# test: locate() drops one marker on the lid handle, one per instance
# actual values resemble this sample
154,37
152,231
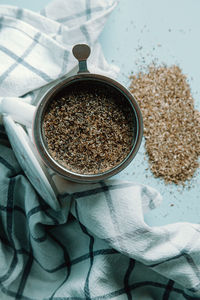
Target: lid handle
81,52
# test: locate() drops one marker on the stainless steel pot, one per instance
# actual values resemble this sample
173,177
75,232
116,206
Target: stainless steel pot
81,52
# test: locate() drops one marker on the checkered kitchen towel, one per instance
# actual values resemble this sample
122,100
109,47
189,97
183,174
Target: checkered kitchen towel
97,245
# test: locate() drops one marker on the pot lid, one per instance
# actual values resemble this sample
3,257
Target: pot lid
30,162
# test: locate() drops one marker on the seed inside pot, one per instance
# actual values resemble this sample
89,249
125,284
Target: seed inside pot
89,129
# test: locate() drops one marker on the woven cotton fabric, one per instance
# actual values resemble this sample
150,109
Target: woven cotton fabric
96,245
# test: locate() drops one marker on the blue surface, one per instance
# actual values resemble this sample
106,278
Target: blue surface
35,5
137,33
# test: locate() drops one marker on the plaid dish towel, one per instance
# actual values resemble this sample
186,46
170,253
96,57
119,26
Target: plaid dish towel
97,244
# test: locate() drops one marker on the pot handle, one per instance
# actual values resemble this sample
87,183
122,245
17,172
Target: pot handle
20,111
81,52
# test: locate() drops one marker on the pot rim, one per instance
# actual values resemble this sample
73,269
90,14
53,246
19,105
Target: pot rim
39,139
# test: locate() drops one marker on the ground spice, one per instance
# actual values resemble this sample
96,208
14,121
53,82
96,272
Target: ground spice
171,123
88,130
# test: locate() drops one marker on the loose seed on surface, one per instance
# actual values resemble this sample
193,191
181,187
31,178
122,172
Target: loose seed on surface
171,123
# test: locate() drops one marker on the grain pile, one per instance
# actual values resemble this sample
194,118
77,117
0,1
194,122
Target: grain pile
171,123
89,129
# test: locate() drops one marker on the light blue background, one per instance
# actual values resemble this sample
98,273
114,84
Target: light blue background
137,32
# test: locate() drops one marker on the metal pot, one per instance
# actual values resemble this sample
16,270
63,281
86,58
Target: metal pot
81,52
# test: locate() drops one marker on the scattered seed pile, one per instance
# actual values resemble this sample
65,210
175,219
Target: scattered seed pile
171,124
89,130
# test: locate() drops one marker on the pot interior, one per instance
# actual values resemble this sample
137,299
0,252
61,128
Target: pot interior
122,99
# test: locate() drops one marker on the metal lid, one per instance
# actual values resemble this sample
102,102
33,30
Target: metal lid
30,162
